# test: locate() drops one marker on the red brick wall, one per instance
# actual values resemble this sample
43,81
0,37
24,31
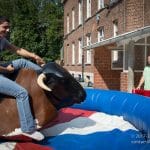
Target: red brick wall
123,81
146,12
104,77
131,14
134,14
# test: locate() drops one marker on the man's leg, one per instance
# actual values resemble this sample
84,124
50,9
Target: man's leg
23,63
27,122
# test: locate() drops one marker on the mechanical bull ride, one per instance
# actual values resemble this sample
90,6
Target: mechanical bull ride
50,89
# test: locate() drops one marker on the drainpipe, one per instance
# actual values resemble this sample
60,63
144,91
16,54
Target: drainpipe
124,30
143,13
124,18
83,65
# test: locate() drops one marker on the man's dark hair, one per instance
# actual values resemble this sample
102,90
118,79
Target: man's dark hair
3,19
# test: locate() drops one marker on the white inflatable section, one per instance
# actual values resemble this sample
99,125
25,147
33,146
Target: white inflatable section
97,122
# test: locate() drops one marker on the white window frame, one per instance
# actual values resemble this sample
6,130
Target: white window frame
146,45
115,57
68,26
88,12
80,12
100,4
73,53
80,51
73,19
88,53
100,36
115,27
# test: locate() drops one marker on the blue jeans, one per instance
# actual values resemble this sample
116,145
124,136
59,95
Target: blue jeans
11,88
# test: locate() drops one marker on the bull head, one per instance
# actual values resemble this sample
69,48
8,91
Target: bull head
61,84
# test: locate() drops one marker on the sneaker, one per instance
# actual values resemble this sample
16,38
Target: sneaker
35,135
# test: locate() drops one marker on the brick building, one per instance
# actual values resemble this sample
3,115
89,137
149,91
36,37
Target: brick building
107,41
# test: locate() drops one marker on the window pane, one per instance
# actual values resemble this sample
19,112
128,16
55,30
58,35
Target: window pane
100,4
73,53
139,57
80,52
148,50
80,12
148,40
141,41
88,8
67,23
117,59
115,26
73,19
101,34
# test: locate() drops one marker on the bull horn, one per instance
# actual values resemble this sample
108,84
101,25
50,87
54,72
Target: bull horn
40,81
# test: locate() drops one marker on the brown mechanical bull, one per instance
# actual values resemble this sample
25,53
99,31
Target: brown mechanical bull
49,91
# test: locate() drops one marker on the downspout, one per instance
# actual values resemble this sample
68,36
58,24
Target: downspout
124,18
143,13
143,26
124,30
82,42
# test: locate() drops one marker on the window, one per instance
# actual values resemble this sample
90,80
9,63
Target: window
115,27
142,50
100,4
80,12
117,56
67,54
80,51
73,53
73,19
139,57
117,59
88,8
68,23
113,2
100,34
88,60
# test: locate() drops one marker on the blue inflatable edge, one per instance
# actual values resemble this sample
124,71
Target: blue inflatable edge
134,108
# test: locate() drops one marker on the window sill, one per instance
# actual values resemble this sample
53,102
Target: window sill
87,63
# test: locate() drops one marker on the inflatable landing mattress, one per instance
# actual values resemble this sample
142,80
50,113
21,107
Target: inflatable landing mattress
77,129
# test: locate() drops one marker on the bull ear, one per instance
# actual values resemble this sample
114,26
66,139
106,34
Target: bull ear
40,81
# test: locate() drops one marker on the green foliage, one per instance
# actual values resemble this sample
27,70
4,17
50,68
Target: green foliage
36,25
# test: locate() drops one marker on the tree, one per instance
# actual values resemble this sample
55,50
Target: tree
37,25
53,23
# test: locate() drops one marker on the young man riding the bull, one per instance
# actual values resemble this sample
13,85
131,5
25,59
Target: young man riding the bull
9,87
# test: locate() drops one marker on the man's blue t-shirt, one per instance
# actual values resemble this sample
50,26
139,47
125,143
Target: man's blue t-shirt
4,43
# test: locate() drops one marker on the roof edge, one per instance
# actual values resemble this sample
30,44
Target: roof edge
125,36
